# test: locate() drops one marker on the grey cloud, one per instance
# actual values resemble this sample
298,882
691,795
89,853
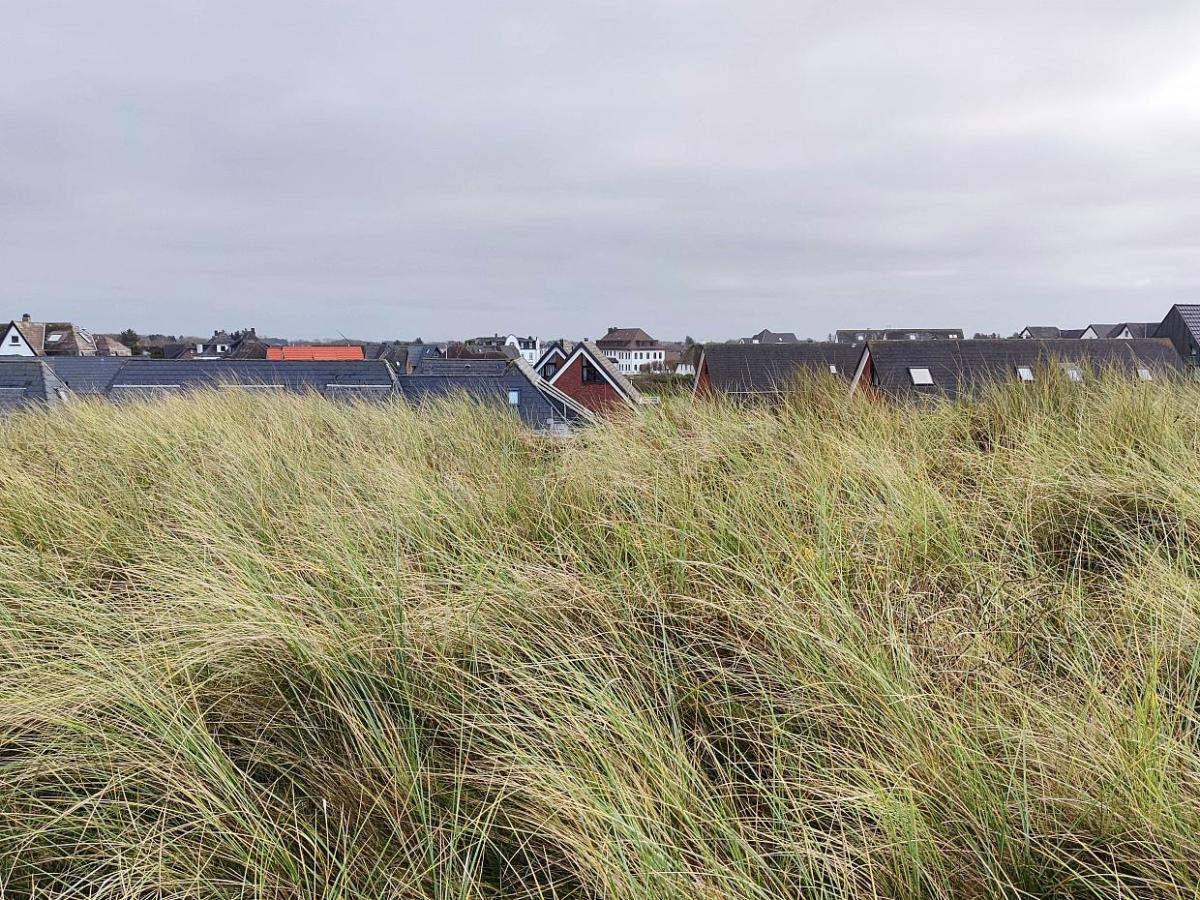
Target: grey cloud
691,166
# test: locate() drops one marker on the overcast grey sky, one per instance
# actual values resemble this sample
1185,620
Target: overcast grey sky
388,169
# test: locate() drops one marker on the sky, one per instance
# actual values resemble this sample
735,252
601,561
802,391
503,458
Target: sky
380,169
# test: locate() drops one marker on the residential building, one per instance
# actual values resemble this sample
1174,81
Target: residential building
553,356
107,345
512,384
316,351
767,371
29,383
632,350
28,338
529,348
1181,326
771,337
956,368
861,335
590,377
337,379
87,374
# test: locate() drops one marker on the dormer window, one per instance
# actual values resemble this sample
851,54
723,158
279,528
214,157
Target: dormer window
1025,373
920,376
222,348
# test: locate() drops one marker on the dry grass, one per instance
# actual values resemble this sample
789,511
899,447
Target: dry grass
273,647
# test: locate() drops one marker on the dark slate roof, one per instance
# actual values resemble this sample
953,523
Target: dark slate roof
1139,329
292,375
87,374
858,335
431,365
540,406
1190,312
770,368
1071,333
26,382
766,336
958,366
1043,332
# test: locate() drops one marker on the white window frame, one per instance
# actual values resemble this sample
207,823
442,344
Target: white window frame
920,376
1145,374
1025,373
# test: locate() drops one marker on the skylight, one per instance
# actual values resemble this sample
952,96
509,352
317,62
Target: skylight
920,376
1025,373
54,338
833,370
1074,373
1145,375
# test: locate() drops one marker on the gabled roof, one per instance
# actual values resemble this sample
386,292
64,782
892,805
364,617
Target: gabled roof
1102,330
34,332
87,374
28,382
143,375
316,351
1071,334
766,336
859,335
607,369
771,368
550,351
1138,329
1042,332
624,337
957,367
433,365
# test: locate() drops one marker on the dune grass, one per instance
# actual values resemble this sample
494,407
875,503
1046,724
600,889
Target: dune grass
276,647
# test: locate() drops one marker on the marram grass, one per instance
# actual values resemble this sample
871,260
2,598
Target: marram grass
272,647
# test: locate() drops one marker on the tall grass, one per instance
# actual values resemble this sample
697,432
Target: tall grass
275,647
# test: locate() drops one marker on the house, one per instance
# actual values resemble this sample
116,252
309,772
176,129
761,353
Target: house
1181,326
513,384
29,338
956,368
553,356
771,337
107,345
632,350
1040,333
861,335
87,374
593,380
337,379
765,371
508,345
244,344
316,351
29,383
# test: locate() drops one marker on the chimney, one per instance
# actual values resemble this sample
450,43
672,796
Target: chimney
612,328
25,317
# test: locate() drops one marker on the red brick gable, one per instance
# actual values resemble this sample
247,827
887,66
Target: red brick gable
598,396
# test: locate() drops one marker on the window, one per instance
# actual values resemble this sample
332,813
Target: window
1073,373
222,348
514,397
833,370
54,338
1145,375
1025,373
14,340
589,374
920,376
549,369
911,336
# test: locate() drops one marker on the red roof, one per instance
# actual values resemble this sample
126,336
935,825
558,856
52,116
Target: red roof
315,352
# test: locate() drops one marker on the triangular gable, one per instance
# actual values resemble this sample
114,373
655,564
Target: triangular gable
605,367
10,347
548,355
550,391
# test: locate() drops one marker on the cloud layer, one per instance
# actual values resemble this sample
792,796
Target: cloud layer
694,167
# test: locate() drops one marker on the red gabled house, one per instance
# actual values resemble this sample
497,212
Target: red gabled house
590,378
